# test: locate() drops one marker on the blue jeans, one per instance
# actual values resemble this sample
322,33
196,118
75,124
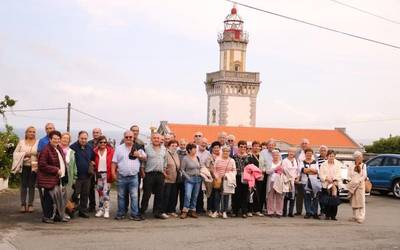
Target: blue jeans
192,188
128,185
220,201
310,203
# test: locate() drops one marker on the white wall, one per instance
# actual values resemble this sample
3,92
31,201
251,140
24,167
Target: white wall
238,111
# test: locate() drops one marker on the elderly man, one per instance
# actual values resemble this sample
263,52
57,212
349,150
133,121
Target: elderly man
83,156
222,136
267,153
45,140
203,155
181,186
232,144
153,176
323,151
126,163
197,138
300,157
167,139
96,133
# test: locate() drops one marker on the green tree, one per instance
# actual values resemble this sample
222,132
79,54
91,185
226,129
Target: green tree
390,145
8,139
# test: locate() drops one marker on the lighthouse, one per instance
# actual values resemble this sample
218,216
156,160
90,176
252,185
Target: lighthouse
232,91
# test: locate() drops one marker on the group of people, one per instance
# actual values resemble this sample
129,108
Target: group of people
230,177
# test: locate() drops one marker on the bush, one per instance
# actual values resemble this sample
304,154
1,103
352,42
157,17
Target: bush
8,143
389,145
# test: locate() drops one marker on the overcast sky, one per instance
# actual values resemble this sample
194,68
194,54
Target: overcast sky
144,61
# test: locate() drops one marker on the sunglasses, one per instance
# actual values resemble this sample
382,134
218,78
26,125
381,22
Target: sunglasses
128,137
230,140
103,142
197,136
243,146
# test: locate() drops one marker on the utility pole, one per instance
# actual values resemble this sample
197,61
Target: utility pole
69,117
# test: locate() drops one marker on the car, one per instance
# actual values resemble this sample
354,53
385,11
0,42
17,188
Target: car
384,173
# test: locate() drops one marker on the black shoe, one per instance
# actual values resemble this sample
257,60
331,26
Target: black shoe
316,217
91,210
284,215
327,218
333,218
297,214
142,217
119,217
84,215
291,215
135,218
307,216
278,216
47,220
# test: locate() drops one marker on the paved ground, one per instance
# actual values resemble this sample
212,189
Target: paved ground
380,231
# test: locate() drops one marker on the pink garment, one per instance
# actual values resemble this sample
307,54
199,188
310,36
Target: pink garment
252,173
223,166
274,202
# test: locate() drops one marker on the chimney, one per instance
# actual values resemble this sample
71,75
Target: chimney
343,130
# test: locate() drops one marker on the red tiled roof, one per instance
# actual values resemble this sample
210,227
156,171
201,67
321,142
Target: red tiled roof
330,138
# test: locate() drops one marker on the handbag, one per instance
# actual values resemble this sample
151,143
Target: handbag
368,186
217,182
179,174
91,170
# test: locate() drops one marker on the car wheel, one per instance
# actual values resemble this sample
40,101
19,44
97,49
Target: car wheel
396,189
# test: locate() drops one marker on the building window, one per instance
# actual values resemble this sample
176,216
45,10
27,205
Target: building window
237,67
214,116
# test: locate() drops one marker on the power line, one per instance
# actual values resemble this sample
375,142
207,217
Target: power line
315,25
365,12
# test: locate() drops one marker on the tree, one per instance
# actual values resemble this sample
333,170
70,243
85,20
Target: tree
390,145
8,140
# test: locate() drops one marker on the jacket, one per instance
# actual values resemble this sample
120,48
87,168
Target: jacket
172,164
83,156
229,183
109,156
49,165
251,174
324,172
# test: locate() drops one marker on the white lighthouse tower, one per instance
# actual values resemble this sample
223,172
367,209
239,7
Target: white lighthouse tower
232,92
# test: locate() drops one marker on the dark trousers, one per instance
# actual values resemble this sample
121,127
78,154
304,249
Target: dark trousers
241,196
220,201
210,202
127,196
47,204
299,198
92,194
331,211
81,194
169,198
200,201
28,180
153,182
181,192
288,199
262,192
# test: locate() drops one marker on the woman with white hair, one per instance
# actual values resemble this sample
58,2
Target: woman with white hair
275,186
356,186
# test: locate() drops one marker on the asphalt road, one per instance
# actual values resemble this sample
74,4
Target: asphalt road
25,231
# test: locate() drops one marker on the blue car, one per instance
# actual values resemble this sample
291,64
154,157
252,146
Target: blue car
384,173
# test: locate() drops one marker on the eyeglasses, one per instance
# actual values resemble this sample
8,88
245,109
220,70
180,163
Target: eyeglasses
128,137
197,135
103,142
242,146
230,140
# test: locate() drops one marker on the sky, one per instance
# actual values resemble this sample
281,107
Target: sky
140,62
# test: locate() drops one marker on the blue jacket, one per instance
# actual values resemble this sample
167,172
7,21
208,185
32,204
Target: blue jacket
43,143
83,156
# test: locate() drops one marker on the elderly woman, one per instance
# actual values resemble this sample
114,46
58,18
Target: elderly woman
329,174
215,150
26,152
171,173
52,177
103,155
69,158
223,169
190,168
275,198
357,177
291,171
311,183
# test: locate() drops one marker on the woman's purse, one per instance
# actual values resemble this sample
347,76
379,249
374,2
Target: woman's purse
218,182
368,186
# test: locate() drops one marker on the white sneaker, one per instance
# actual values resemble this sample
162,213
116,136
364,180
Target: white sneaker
164,216
259,214
249,215
214,215
210,213
100,213
106,214
224,215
